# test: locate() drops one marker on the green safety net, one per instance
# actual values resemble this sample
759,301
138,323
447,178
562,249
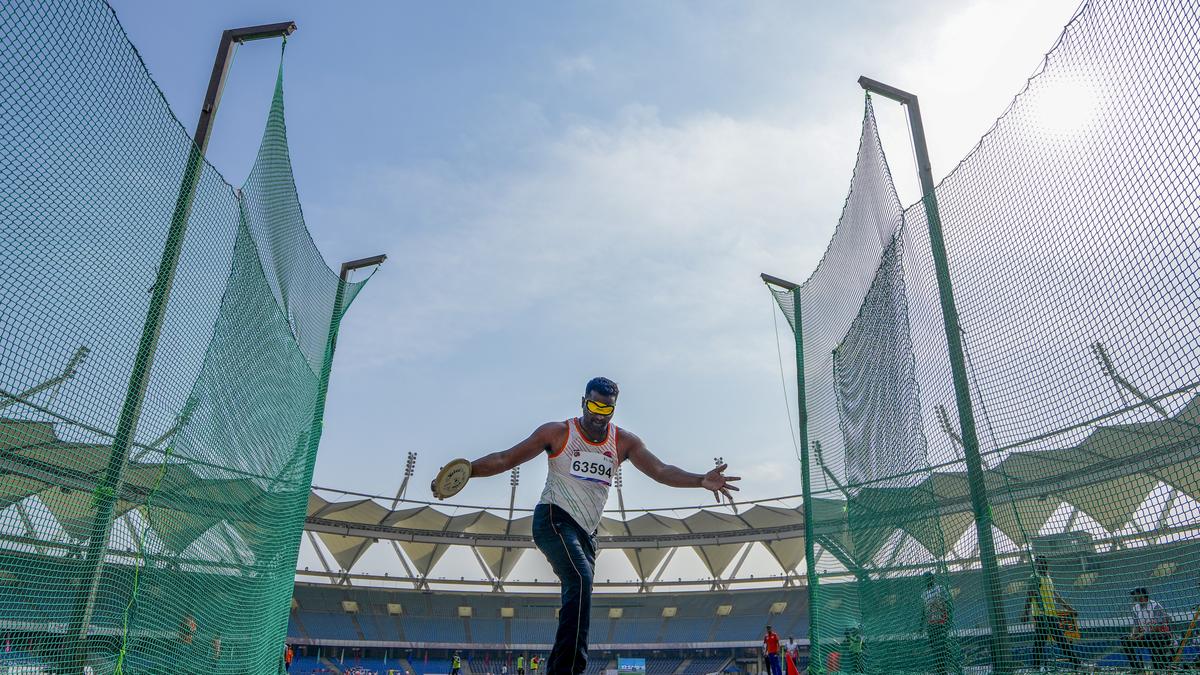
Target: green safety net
155,532
1071,238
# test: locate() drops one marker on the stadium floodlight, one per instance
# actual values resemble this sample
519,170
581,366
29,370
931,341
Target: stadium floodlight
1001,664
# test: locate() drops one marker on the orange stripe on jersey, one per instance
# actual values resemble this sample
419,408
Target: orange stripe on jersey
566,438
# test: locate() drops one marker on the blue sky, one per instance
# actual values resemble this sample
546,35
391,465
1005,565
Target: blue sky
575,189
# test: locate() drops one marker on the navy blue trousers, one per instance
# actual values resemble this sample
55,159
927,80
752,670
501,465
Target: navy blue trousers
572,554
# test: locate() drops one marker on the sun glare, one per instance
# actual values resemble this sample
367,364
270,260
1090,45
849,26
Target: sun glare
1064,107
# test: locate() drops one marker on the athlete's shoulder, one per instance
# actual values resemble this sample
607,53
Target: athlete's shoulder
553,434
553,427
627,440
627,436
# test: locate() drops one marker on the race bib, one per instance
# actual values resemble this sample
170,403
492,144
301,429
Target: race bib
593,466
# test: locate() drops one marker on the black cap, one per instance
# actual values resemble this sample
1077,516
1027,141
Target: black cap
1140,590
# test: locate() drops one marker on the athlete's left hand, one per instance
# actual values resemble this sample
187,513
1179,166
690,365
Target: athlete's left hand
719,483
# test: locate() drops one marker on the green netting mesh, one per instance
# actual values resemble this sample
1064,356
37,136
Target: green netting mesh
1071,235
160,536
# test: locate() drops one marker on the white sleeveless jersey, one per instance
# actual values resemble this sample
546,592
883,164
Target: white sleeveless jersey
581,473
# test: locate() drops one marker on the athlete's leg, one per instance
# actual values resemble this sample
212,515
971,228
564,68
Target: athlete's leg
1041,639
1160,650
572,555
937,647
1129,645
1065,644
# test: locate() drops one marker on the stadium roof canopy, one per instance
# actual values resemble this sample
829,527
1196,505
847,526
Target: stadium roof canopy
1107,475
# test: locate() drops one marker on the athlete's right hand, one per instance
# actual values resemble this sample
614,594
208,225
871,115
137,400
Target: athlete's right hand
718,483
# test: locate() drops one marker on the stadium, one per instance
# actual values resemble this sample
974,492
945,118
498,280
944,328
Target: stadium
997,406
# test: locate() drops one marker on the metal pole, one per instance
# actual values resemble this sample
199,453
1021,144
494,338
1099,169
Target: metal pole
108,486
317,420
815,663
966,415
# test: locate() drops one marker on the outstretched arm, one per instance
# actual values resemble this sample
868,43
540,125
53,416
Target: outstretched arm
543,439
667,474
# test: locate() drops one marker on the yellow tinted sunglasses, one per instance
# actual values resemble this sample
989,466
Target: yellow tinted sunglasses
598,408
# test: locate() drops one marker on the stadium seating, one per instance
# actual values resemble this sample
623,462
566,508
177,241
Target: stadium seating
309,665
433,618
662,665
702,665
430,623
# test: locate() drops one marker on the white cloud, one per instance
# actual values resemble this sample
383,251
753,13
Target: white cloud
674,221
580,64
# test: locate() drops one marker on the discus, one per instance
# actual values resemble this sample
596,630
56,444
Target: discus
451,479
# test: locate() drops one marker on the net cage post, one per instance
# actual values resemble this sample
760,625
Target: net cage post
335,322
1001,663
815,663
108,487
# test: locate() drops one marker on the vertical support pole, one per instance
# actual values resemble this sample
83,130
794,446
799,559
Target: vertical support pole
1001,664
317,419
816,664
108,486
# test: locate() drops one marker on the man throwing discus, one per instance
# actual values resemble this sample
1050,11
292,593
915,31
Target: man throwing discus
584,455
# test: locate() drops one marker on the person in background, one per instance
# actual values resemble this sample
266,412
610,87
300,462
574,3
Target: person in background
521,664
936,618
854,648
793,657
771,645
1151,629
1045,605
288,655
455,664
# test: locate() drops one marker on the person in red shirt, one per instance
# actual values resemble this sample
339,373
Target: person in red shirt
288,655
771,644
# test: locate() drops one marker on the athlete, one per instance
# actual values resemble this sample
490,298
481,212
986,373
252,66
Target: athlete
584,454
1152,630
455,664
771,647
937,607
1046,606
521,665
